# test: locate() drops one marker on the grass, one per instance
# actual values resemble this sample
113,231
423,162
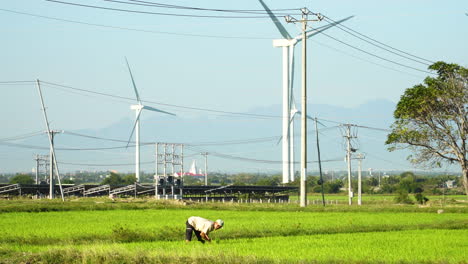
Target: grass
146,231
414,246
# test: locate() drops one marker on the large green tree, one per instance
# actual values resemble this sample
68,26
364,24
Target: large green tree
431,119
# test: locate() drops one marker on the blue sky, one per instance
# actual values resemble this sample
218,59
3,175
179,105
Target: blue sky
212,70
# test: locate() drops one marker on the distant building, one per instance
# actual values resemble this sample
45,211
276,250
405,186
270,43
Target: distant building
450,184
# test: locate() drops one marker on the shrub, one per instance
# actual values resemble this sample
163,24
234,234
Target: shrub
420,198
402,197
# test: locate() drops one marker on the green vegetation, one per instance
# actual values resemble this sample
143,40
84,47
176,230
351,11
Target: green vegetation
431,118
22,179
115,179
148,231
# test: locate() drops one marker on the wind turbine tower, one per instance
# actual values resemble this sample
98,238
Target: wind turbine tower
136,127
288,44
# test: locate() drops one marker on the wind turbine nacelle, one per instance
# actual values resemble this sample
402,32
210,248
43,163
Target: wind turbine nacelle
283,42
136,107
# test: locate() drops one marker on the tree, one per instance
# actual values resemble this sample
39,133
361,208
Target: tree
333,186
431,119
22,179
129,179
113,179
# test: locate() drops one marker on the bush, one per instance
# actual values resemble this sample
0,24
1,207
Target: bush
402,197
420,198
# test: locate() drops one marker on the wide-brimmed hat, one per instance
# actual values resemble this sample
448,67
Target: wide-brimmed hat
220,222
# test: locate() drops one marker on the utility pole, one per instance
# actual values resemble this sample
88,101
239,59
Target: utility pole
319,161
304,20
360,157
53,160
206,167
348,159
380,172
37,168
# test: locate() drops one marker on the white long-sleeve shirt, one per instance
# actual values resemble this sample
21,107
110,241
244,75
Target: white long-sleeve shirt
201,224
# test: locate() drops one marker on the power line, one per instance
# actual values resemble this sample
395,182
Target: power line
16,82
378,46
228,156
104,165
186,107
153,13
64,149
185,34
365,60
163,104
32,134
407,53
131,29
372,54
161,5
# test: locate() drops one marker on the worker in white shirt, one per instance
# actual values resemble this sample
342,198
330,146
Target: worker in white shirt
201,227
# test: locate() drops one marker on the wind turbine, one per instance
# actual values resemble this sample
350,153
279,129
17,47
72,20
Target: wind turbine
288,44
136,127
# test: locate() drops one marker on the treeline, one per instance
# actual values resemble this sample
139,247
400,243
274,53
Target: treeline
401,184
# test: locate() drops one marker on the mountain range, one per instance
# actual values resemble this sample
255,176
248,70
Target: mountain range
245,142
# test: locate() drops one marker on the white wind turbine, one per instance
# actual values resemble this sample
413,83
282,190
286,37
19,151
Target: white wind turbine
136,127
288,44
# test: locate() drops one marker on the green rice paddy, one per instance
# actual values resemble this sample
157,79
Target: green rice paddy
153,232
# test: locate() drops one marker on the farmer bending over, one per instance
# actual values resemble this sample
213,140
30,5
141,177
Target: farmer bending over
202,227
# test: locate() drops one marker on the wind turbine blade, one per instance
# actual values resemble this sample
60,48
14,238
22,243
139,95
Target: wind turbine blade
291,76
157,110
279,140
321,123
307,116
291,119
319,30
275,20
134,126
133,82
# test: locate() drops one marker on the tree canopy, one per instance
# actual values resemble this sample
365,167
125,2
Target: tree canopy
22,179
431,119
116,179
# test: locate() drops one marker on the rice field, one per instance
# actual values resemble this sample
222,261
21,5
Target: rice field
256,234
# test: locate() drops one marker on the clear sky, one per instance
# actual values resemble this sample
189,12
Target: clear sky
225,64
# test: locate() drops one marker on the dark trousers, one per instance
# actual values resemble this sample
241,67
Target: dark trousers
188,233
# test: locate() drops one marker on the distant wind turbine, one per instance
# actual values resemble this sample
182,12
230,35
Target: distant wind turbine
288,44
136,127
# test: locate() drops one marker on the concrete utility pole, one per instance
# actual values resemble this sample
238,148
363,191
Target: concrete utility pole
206,167
303,21
360,157
37,159
348,159
319,161
53,160
52,165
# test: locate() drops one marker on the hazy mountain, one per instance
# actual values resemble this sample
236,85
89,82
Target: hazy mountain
223,134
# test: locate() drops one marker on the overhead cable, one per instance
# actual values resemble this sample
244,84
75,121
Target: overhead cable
378,46
132,29
372,54
366,60
161,5
381,43
163,104
28,135
152,13
103,165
